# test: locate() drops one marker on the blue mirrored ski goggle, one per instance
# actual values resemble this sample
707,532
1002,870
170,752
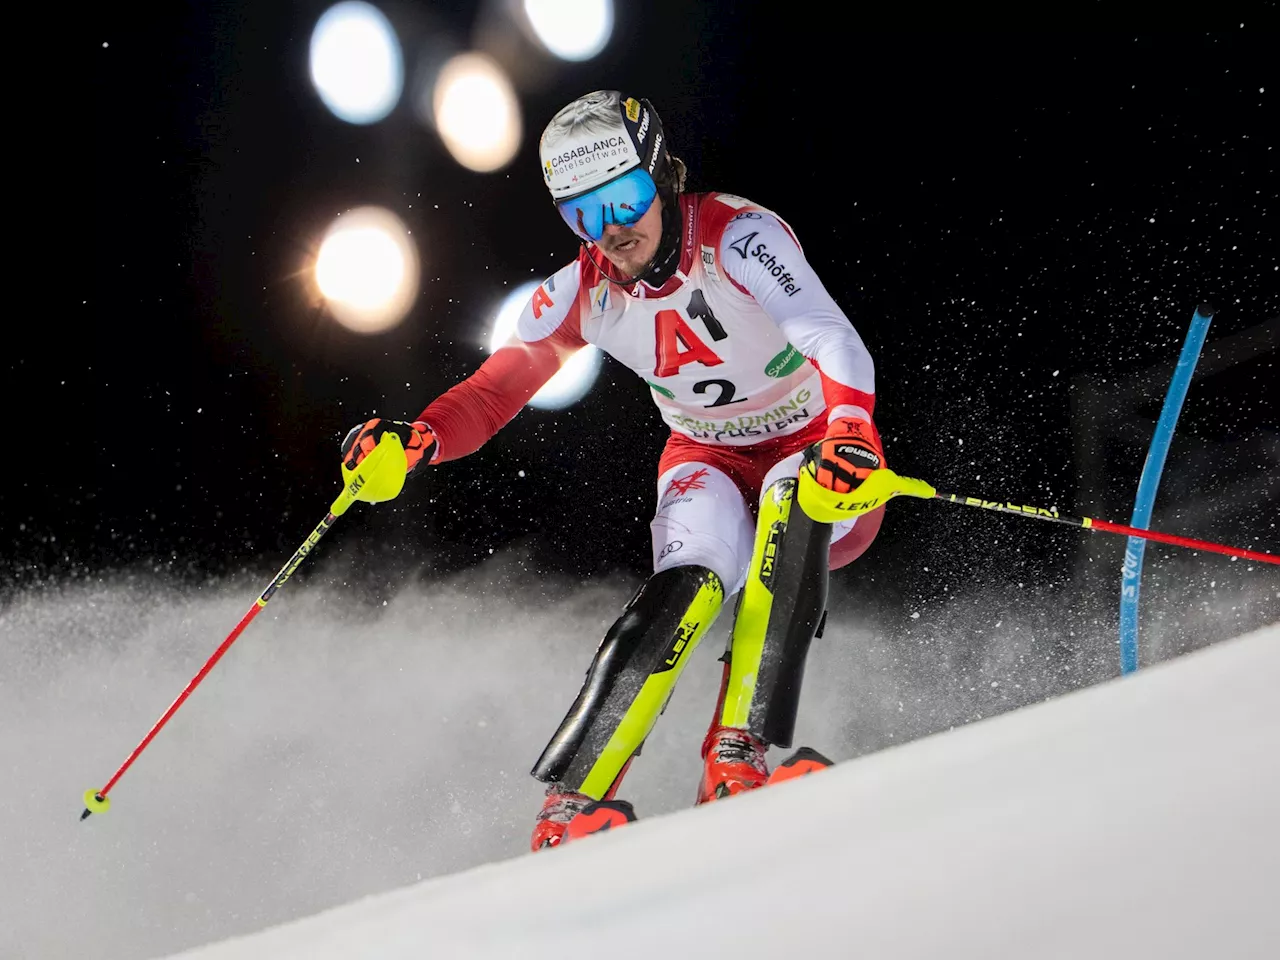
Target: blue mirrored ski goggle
622,201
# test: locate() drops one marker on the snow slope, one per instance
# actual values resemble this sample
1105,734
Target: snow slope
1138,818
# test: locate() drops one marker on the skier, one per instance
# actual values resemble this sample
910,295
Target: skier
768,391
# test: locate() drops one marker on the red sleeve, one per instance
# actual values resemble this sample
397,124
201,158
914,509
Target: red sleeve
839,394
548,332
466,416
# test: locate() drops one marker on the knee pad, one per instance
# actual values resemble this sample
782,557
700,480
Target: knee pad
780,610
631,678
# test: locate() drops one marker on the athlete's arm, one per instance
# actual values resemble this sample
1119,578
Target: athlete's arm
763,260
464,417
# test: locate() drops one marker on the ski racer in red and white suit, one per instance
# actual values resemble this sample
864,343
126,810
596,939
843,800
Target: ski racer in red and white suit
709,299
747,358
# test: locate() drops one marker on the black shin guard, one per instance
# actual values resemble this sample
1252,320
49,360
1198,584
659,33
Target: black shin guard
780,611
630,679
799,604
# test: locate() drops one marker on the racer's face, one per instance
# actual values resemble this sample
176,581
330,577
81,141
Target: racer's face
631,248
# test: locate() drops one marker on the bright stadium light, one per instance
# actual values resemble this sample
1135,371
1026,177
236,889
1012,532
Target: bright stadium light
367,270
476,112
571,29
574,378
356,64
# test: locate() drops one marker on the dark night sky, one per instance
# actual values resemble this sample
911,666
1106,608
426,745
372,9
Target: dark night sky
997,214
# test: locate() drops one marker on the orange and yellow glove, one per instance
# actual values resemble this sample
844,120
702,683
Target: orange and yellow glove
836,466
847,455
417,439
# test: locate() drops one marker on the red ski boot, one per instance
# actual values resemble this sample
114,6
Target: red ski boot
599,816
558,809
733,762
804,761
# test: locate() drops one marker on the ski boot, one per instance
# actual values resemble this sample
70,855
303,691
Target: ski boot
560,807
597,817
733,762
804,761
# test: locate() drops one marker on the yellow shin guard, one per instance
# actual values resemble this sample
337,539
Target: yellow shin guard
631,679
779,612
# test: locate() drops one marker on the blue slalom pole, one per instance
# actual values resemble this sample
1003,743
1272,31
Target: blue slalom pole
1131,576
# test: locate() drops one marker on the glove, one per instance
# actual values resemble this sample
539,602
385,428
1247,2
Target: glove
847,455
418,441
836,466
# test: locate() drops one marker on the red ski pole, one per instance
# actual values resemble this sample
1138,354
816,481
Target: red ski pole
883,485
380,476
1106,526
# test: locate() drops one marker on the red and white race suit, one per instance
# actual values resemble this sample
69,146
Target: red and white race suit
747,358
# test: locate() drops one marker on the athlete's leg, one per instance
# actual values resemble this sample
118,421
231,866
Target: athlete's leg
781,607
701,540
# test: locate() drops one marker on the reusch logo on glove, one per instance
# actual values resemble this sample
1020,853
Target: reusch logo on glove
849,451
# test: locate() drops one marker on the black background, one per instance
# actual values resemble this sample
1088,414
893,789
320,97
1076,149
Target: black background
997,213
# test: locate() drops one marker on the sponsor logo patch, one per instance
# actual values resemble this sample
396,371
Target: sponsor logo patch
740,246
784,418
633,109
770,558
682,485
599,299
776,268
709,261
787,362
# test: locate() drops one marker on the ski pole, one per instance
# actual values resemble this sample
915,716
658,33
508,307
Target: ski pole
883,485
1106,526
379,476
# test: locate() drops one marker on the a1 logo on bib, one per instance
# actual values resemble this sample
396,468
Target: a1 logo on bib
671,332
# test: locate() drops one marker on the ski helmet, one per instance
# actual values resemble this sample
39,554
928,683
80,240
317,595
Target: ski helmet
603,137
598,138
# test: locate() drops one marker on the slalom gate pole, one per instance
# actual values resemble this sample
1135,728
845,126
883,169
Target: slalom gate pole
1106,526
1144,503
378,477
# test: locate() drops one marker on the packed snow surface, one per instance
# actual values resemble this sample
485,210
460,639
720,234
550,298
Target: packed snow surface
1136,818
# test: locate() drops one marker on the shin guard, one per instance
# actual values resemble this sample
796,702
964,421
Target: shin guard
780,610
630,680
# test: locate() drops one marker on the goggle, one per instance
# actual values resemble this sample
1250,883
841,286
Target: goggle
622,201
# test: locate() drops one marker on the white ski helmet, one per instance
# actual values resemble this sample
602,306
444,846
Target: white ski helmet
605,160
598,138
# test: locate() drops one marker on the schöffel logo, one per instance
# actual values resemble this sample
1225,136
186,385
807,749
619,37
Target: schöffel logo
760,251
